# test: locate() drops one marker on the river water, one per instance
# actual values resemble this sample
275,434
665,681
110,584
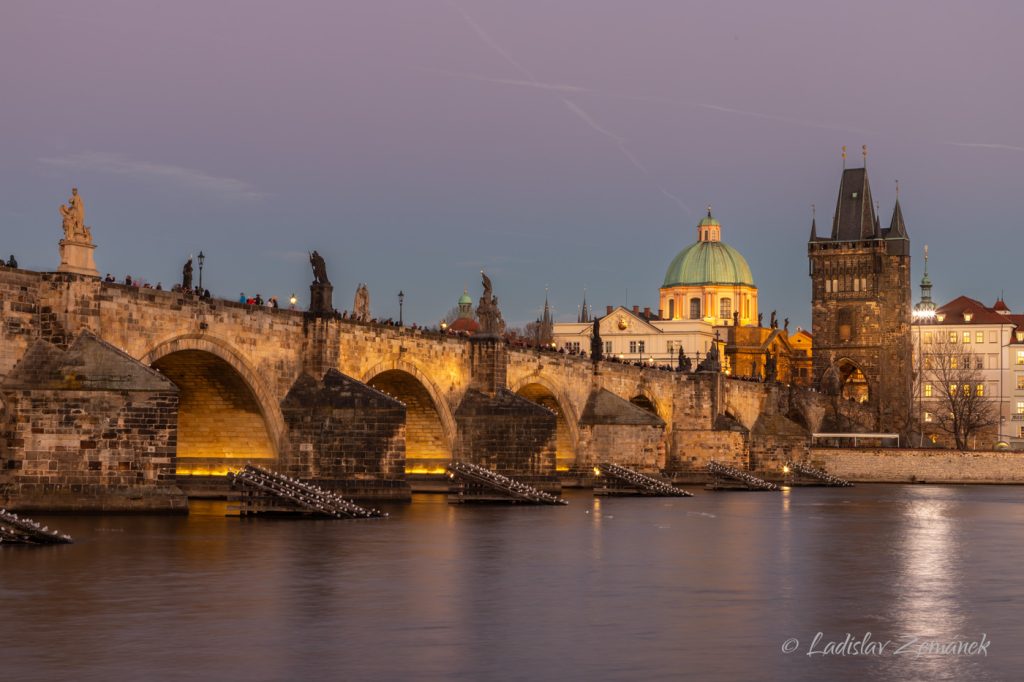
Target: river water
709,587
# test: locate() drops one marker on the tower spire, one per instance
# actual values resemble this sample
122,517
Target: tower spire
925,308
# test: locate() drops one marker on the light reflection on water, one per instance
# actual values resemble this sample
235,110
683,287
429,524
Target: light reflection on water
613,588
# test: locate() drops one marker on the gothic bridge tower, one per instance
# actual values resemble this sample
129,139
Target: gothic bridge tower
860,305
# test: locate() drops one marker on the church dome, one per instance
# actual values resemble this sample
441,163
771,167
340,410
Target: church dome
465,299
708,260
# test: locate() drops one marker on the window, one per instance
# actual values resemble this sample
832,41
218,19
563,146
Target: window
670,347
632,346
608,347
979,337
927,390
574,346
835,285
694,308
1020,407
1020,382
640,346
979,362
828,286
954,362
952,389
927,416
952,337
979,390
671,309
856,284
967,389
725,308
927,337
967,337
1020,357
863,283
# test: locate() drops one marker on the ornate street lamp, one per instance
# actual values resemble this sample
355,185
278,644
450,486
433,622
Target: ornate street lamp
202,258
401,300
293,300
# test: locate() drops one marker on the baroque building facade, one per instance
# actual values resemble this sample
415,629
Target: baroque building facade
860,306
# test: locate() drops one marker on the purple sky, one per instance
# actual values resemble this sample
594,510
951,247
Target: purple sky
564,143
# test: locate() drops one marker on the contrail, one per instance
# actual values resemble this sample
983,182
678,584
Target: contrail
783,119
987,145
551,87
591,122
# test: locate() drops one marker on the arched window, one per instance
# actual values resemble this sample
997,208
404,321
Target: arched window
671,309
694,308
725,308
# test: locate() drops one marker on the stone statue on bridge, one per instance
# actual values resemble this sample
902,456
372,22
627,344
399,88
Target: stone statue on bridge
771,368
596,344
73,216
321,293
712,361
319,268
487,311
76,249
774,324
361,304
186,275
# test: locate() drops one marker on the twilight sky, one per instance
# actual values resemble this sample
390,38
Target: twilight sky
566,143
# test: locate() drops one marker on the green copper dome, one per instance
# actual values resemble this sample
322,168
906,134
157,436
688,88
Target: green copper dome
709,221
465,298
708,262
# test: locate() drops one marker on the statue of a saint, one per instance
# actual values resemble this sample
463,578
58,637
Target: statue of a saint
74,218
186,275
487,311
319,268
596,344
785,325
760,319
736,318
361,305
774,324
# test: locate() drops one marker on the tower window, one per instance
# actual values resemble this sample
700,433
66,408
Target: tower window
828,286
671,309
694,308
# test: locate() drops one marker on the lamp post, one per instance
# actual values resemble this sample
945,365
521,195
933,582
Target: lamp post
202,258
293,300
401,301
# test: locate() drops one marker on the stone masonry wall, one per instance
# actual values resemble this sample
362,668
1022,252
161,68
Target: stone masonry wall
346,436
507,434
895,465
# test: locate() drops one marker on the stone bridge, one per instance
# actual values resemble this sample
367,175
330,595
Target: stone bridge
343,401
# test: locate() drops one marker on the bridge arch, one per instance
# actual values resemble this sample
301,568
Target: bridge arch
543,392
646,400
226,411
429,424
852,380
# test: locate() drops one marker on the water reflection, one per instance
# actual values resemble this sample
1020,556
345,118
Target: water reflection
708,586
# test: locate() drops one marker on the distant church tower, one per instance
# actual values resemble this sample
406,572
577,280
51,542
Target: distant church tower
860,305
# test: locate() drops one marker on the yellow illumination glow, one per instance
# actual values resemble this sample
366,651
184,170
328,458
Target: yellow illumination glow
597,472
204,471
785,469
425,470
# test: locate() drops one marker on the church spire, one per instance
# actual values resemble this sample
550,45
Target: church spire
814,224
584,314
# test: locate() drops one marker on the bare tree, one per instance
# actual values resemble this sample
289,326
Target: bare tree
959,397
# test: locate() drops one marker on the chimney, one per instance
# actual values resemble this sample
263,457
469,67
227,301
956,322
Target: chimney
607,310
660,315
647,312
636,310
